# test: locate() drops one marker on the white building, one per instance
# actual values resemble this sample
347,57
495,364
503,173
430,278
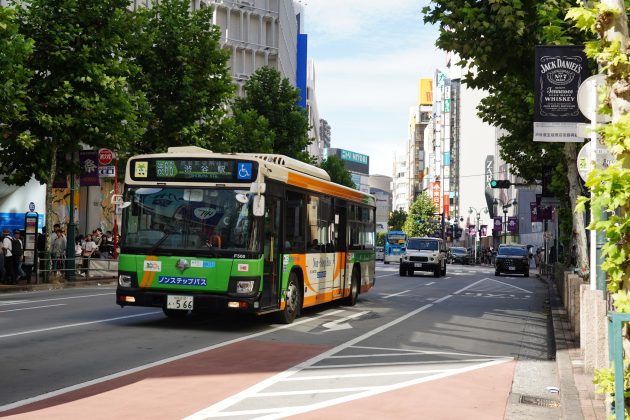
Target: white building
316,148
380,187
400,185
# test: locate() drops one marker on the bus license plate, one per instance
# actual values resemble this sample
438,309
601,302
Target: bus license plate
184,303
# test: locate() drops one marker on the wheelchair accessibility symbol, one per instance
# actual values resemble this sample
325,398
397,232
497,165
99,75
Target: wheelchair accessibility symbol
244,171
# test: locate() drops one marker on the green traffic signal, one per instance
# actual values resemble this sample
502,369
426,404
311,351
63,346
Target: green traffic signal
500,183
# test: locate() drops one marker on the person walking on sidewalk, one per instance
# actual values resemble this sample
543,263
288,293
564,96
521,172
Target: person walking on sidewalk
7,250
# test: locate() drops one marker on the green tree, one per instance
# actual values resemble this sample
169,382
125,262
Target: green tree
273,98
380,238
497,40
79,93
421,218
334,166
15,50
184,74
397,219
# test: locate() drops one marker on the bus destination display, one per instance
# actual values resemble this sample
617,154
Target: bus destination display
217,170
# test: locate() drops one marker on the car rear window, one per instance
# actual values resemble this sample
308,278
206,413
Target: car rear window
507,250
458,251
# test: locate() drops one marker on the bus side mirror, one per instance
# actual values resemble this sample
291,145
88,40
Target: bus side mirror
259,205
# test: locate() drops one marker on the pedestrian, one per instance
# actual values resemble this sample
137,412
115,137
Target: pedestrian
18,255
58,250
97,237
88,251
7,249
106,248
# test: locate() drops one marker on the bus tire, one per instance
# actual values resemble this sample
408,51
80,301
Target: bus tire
351,300
293,300
175,313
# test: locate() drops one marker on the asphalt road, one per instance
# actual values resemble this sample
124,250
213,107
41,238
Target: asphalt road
65,348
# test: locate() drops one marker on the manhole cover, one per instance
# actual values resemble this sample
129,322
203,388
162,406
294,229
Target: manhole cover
541,402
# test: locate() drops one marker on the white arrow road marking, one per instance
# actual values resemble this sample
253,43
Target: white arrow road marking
340,324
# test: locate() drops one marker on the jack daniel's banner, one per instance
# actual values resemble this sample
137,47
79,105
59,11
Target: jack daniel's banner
559,72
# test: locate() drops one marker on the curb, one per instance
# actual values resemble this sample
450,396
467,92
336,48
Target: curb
10,288
570,405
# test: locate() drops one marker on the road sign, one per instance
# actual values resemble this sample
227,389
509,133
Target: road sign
587,97
603,159
106,171
105,157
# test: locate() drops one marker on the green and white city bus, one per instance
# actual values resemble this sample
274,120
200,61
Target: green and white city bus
245,232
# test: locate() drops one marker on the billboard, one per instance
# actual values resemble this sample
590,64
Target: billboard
425,92
354,162
560,70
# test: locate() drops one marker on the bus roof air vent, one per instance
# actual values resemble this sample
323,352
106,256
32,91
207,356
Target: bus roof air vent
291,163
188,149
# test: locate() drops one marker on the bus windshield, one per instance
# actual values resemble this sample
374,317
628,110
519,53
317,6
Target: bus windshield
396,239
174,219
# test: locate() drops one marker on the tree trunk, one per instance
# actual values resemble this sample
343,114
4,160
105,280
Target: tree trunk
49,199
575,190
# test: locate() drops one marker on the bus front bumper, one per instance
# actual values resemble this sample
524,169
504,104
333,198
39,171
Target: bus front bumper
201,301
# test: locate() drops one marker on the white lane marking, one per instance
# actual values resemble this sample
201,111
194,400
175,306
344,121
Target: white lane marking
450,353
340,324
217,408
432,282
158,363
442,362
311,391
396,294
470,285
32,307
366,375
508,284
79,324
18,302
385,275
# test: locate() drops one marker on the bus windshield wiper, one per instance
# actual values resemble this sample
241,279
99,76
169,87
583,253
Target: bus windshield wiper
158,243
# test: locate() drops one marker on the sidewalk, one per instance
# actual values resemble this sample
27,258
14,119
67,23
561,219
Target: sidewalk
22,286
577,396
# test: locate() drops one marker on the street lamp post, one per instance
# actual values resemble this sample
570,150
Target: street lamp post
478,227
511,202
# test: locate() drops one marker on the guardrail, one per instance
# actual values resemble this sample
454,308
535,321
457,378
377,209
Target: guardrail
615,349
77,268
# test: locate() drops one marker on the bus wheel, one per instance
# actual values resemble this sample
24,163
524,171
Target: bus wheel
354,289
175,313
293,300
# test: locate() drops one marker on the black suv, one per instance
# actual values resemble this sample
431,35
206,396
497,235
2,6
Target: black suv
513,259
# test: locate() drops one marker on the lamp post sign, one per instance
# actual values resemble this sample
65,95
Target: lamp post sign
498,224
512,224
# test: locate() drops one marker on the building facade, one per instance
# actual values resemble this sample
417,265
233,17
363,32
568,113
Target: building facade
380,188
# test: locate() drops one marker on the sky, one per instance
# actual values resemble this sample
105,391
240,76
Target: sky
369,56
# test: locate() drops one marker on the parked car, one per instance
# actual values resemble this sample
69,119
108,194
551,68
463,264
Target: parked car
513,259
424,254
380,253
459,254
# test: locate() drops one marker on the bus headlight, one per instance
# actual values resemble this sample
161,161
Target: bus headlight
245,286
124,280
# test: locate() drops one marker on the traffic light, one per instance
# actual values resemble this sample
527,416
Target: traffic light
500,183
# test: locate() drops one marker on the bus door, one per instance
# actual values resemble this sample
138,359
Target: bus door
339,239
271,249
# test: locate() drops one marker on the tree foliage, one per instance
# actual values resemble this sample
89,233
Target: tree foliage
422,216
184,74
396,220
334,166
273,97
78,94
497,41
15,50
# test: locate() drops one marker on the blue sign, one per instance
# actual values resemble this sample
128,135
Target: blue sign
183,281
244,171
